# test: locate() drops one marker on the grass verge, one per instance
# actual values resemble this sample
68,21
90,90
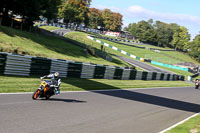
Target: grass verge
190,126
50,28
29,84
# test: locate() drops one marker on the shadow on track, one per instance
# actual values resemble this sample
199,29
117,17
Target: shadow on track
65,100
136,96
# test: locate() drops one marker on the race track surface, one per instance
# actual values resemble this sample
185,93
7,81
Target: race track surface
145,66
122,111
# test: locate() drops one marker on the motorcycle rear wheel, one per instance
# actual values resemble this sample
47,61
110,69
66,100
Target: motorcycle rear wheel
36,94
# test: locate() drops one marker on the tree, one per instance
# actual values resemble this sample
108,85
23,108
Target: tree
163,34
145,32
116,22
194,50
107,18
181,39
29,10
75,11
95,18
112,20
49,8
132,28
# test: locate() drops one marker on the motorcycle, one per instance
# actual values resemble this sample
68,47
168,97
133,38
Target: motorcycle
46,90
196,85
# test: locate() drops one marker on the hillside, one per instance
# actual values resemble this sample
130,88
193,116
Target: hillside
35,44
168,57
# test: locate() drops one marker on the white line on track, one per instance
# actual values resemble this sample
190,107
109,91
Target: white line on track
169,128
24,93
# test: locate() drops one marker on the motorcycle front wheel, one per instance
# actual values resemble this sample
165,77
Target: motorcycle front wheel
36,94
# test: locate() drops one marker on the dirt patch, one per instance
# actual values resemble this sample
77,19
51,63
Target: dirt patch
195,130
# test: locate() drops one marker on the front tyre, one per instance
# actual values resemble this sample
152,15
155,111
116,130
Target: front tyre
36,94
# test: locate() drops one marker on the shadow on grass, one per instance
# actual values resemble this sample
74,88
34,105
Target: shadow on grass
136,96
50,42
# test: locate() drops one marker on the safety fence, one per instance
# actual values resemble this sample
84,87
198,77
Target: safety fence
21,65
138,58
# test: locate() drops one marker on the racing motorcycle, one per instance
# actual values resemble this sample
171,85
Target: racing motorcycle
196,85
46,90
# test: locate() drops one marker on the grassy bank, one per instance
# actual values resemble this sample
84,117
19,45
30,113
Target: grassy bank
21,42
29,84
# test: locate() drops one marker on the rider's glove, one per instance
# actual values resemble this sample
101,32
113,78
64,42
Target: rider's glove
41,78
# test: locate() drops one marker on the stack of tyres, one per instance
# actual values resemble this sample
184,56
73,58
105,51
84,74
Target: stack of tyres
3,57
87,71
18,65
109,73
139,75
40,66
99,72
126,74
74,69
60,66
118,73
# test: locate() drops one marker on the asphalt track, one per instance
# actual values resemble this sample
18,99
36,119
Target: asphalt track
122,111
143,65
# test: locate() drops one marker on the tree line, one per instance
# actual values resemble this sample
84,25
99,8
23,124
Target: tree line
166,35
161,34
72,11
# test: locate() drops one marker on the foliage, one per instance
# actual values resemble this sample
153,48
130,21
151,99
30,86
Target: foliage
194,50
161,34
95,18
145,32
75,11
28,10
112,20
181,38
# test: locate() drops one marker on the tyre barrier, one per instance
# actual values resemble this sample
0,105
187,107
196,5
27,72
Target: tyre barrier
21,65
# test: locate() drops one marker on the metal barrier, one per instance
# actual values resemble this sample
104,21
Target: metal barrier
27,66
17,65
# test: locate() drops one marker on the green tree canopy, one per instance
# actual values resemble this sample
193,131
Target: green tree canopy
75,11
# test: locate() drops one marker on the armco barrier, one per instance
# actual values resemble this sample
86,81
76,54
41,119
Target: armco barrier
27,66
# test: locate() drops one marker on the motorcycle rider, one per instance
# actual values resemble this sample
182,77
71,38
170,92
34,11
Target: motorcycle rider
196,82
55,81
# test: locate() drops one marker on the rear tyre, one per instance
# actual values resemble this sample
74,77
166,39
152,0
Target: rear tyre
47,97
36,94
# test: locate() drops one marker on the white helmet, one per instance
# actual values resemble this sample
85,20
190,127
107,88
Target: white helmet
56,74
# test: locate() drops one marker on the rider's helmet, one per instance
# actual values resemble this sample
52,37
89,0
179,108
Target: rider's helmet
56,74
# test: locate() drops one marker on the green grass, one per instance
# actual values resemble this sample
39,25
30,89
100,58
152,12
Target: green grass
35,44
149,54
50,28
29,84
79,36
190,126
